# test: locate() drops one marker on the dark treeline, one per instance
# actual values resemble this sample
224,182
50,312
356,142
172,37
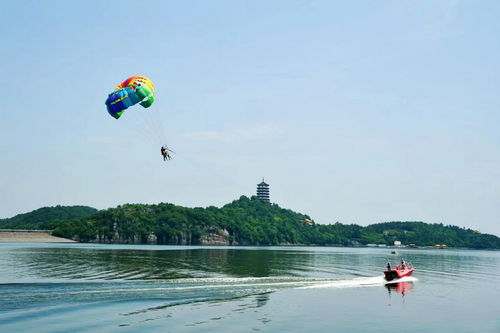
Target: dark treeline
246,221
46,218
428,234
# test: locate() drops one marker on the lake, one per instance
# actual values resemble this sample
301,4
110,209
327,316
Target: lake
130,288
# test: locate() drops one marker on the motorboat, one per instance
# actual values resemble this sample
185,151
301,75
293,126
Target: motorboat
399,271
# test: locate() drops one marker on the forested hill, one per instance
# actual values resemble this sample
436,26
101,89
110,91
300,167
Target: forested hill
243,222
46,217
249,221
428,234
246,221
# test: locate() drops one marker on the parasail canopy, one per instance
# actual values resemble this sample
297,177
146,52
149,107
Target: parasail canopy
135,89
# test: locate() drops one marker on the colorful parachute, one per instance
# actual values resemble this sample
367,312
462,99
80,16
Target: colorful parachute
135,89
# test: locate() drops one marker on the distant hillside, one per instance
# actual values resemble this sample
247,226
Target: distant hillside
46,217
249,221
424,234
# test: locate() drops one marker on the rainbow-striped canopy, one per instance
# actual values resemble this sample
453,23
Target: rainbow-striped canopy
135,89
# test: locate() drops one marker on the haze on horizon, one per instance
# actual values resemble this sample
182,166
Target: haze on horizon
357,112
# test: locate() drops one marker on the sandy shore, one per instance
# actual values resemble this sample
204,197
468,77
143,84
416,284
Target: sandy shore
30,237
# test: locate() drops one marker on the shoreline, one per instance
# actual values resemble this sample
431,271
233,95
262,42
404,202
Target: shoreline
45,236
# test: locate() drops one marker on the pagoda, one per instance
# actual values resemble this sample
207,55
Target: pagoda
263,191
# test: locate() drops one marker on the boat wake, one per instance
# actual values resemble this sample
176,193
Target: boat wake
359,282
169,292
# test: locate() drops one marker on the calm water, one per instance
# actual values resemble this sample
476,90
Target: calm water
107,288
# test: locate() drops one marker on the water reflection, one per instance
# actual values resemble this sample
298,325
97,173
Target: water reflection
401,287
129,264
156,263
262,299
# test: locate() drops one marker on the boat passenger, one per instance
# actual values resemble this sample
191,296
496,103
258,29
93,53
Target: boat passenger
388,265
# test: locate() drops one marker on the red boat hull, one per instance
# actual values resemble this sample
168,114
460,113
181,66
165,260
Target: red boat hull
394,274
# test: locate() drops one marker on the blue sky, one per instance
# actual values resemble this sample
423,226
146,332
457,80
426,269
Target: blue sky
353,111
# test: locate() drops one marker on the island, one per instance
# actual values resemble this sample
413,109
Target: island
245,221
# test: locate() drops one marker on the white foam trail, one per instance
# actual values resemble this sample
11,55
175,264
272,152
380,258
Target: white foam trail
359,282
218,286
209,283
352,283
241,279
